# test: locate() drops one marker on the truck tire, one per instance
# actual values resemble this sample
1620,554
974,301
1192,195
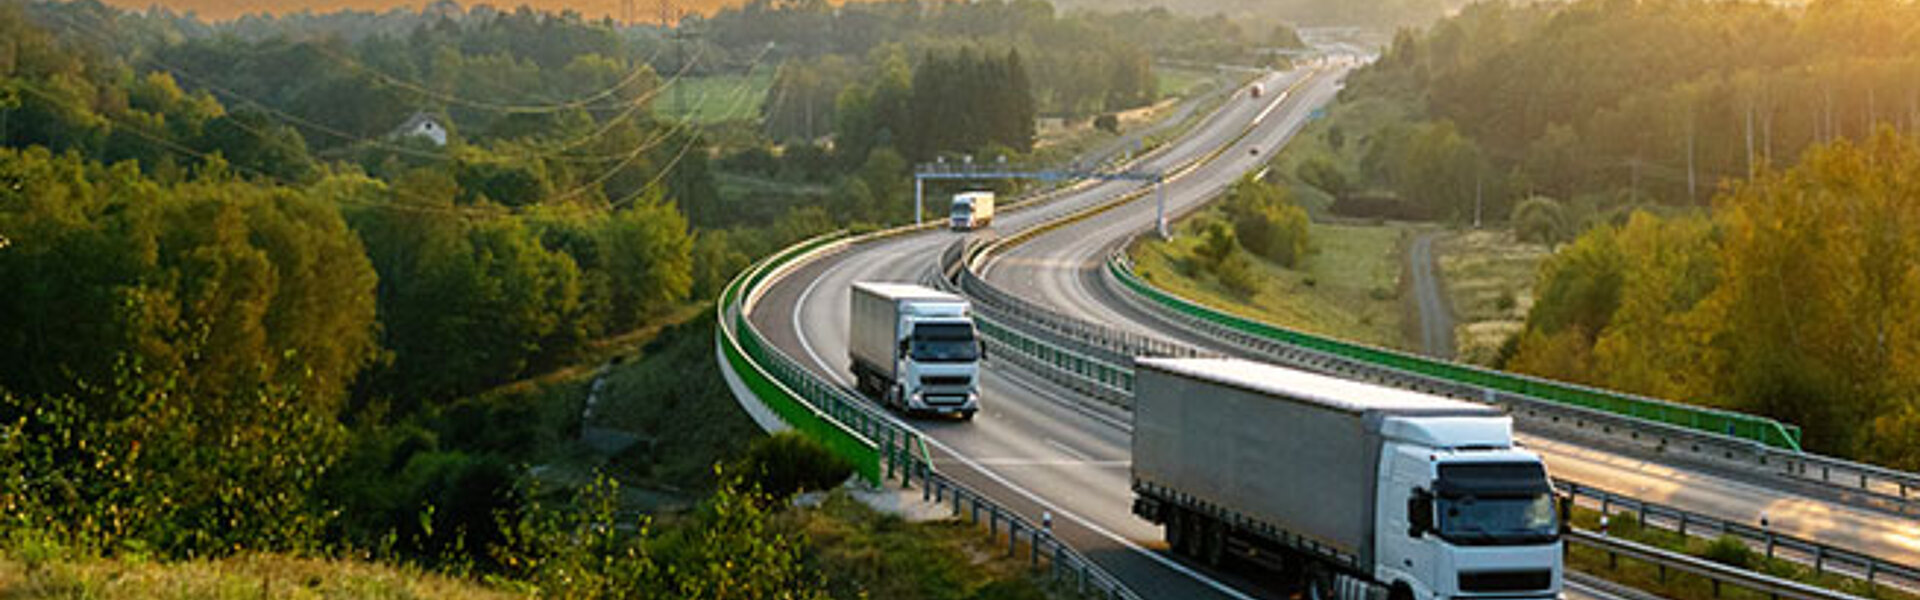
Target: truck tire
1176,527
966,415
1213,542
1319,582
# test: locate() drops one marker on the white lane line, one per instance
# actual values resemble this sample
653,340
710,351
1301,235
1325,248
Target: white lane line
1070,451
1090,525
799,306
1043,462
801,333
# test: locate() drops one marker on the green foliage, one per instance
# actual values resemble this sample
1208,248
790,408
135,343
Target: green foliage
787,463
1267,223
1541,220
1786,303
1731,551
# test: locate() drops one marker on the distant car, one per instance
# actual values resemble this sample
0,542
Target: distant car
1255,92
1254,151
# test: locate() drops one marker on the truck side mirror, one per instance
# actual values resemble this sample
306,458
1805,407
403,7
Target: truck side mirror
983,350
1564,502
1419,513
904,344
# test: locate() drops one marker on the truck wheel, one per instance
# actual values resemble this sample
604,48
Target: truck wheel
1320,583
966,415
1400,591
1176,526
1213,543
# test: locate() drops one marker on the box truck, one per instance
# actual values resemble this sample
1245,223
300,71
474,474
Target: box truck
972,210
915,349
1359,490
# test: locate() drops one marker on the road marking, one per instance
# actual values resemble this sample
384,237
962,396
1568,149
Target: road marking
1090,525
1069,451
799,306
1044,462
800,333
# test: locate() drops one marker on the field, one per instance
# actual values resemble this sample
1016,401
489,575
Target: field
716,98
1179,82
1489,278
1348,287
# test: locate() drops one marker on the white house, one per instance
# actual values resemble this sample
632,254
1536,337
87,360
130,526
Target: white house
423,125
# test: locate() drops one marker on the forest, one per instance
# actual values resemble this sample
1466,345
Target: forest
1727,184
284,284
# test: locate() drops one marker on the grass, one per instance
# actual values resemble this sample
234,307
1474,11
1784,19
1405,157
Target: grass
1489,276
672,396
1680,586
242,577
868,554
1355,121
1180,82
716,98
1348,287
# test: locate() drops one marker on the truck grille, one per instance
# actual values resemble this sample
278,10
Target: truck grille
944,400
1505,581
946,381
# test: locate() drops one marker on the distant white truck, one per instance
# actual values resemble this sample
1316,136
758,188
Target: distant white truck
1363,491
915,348
972,210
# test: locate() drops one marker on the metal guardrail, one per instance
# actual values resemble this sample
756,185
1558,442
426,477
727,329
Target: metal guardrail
881,448
1822,557
1899,489
1717,573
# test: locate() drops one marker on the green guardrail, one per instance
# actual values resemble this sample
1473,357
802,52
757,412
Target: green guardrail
740,345
1749,427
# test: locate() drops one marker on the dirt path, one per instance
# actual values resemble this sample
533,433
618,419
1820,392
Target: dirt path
1436,319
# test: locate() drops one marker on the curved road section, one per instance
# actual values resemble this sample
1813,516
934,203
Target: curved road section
1063,269
1034,447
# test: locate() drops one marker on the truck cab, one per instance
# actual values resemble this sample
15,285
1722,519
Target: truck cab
971,210
915,348
1465,514
939,364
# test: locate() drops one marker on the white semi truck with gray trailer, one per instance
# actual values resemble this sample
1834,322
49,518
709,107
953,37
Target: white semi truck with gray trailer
1361,491
915,348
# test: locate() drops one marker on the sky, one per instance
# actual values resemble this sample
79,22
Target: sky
221,10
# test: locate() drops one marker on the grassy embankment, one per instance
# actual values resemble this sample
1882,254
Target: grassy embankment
1489,278
1347,287
667,394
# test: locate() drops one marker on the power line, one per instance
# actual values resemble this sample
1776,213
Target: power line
352,139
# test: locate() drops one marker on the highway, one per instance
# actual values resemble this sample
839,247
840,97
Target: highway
1034,447
1062,269
1038,448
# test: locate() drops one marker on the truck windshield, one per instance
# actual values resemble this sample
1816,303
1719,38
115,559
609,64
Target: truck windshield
952,342
1496,504
1498,520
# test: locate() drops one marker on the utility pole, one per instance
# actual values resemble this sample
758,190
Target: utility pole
1693,177
1750,138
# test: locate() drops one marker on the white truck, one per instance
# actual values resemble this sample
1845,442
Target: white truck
915,348
1358,490
972,210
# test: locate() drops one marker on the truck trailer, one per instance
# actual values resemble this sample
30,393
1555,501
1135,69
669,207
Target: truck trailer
1359,490
972,210
915,349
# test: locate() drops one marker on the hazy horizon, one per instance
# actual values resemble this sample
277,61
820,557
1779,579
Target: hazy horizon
645,11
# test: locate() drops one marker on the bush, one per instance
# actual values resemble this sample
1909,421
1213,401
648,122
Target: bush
1236,274
1108,123
1541,220
788,463
1730,551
